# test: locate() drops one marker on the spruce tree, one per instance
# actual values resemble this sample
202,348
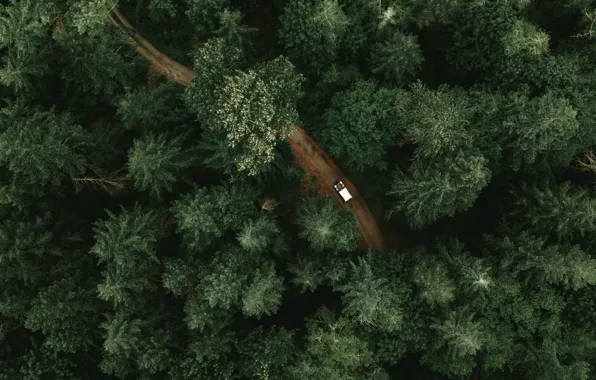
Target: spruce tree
430,191
41,147
157,162
398,59
326,226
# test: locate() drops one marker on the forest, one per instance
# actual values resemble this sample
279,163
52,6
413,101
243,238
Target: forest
167,207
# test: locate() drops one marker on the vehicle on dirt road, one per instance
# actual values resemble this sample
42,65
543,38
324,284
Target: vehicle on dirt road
343,192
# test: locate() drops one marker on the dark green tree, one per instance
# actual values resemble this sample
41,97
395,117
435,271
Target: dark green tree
363,122
264,293
563,210
41,147
232,29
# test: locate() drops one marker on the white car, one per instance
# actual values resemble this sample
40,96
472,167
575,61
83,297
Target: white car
343,192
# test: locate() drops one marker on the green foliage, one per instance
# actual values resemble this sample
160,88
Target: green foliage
232,30
362,123
326,226
151,108
538,263
311,30
156,163
438,189
540,128
397,59
258,234
267,354
204,14
66,314
333,351
436,287
369,301
263,295
251,109
127,244
41,147
24,27
206,215
437,120
562,210
308,274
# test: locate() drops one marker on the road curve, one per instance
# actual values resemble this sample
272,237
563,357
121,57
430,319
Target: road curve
301,143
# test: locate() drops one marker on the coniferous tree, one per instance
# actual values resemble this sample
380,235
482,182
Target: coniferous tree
232,30
326,226
41,147
156,163
397,59
563,210
431,191
206,215
369,301
263,295
437,120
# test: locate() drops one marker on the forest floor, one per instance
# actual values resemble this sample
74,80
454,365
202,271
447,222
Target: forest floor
308,153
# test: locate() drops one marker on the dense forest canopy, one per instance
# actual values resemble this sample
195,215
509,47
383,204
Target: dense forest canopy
156,231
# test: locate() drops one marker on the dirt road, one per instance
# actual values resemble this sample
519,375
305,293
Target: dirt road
302,144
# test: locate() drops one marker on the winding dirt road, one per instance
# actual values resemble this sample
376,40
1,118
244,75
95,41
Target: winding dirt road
307,151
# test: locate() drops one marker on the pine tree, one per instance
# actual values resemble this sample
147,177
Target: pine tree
263,295
204,14
431,277
540,128
152,108
41,147
431,191
127,244
369,301
66,314
308,274
156,163
437,120
258,234
326,226
232,30
206,215
333,351
24,27
311,31
398,59
564,210
267,354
